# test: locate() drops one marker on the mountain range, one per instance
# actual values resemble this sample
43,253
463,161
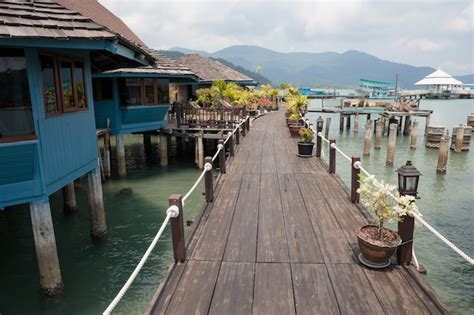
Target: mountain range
322,69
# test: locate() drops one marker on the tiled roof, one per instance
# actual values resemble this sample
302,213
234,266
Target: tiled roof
211,70
45,19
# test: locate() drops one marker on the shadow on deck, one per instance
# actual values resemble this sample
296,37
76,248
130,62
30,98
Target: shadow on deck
280,238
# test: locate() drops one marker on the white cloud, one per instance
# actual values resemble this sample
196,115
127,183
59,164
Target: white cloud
420,32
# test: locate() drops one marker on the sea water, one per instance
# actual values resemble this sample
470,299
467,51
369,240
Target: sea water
447,201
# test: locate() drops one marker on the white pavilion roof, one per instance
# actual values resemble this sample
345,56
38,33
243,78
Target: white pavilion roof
439,77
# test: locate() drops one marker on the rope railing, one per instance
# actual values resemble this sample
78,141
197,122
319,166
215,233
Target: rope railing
358,165
172,212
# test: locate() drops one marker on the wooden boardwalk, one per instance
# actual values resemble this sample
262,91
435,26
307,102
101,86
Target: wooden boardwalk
280,238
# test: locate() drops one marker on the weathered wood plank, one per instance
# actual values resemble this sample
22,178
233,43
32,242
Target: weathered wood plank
272,245
302,243
273,292
211,244
166,291
194,292
353,291
387,285
234,289
334,246
313,290
242,242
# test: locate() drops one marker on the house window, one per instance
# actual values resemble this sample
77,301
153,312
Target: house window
63,84
143,91
16,118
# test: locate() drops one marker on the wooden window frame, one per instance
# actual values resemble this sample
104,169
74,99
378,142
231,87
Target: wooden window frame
57,59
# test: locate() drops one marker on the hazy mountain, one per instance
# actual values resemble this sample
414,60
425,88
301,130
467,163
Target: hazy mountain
260,79
327,68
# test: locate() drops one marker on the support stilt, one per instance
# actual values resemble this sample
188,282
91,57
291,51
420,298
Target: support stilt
45,245
96,203
69,197
121,164
163,150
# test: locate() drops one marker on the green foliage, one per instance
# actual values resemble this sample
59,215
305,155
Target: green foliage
297,103
294,117
306,135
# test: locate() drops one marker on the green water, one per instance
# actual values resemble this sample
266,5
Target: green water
447,201
93,272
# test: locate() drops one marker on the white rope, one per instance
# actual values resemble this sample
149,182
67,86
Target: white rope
171,212
195,184
320,134
334,146
219,148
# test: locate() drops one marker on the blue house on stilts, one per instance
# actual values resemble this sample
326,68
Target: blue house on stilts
48,54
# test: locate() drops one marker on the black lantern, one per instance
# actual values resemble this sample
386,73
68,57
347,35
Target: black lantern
319,124
408,177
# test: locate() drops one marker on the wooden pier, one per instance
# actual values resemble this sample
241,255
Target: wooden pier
280,238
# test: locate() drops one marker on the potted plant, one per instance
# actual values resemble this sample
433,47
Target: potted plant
306,144
376,242
294,124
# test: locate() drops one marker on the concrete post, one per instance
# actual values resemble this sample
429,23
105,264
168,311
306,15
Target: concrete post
200,152
392,140
121,164
386,122
378,134
69,197
326,129
163,149
96,203
45,245
356,123
459,139
413,134
443,153
367,137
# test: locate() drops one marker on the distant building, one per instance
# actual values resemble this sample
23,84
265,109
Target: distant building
208,71
442,84
376,89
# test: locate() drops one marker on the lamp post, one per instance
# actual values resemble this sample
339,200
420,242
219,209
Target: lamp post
319,128
408,179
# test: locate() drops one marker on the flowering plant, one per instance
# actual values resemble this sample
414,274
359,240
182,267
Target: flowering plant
384,201
294,117
265,102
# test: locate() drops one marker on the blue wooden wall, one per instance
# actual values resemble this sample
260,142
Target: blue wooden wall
124,120
65,150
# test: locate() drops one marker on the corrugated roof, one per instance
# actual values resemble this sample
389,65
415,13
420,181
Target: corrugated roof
45,19
212,70
439,77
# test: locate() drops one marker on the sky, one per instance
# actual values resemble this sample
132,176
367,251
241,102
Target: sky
436,33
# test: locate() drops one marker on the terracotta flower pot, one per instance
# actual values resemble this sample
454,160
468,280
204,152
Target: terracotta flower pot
376,253
294,130
305,149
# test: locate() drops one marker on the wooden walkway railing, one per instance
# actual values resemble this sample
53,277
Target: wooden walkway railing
208,117
278,236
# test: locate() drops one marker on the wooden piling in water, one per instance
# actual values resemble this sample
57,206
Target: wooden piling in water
433,136
96,204
392,140
413,134
69,198
163,149
470,120
147,144
443,153
356,123
121,164
461,138
177,230
367,137
386,123
326,129
45,245
107,165
348,122
407,126
427,123
341,122
378,134
199,151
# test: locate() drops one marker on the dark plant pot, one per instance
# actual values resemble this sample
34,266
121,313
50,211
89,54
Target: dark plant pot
294,130
375,253
305,149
